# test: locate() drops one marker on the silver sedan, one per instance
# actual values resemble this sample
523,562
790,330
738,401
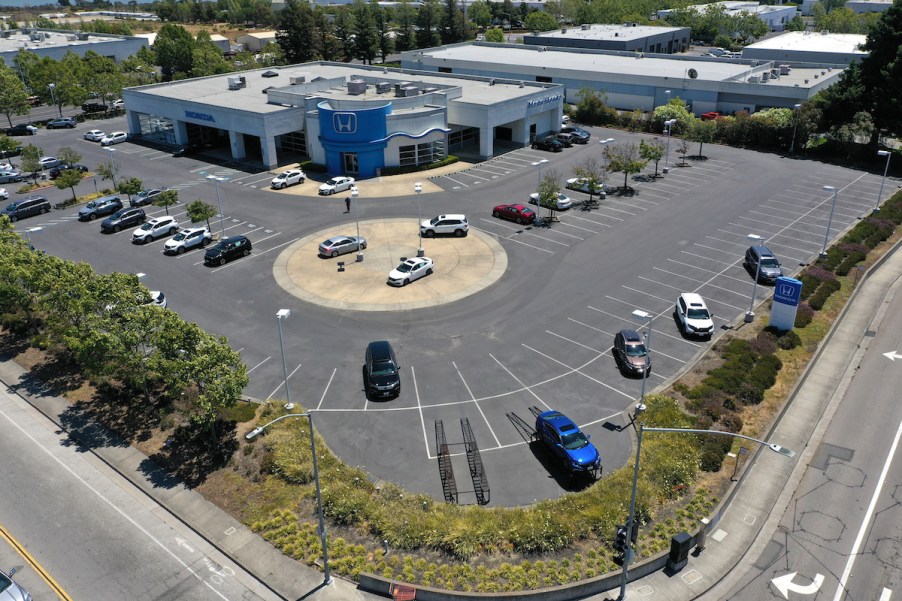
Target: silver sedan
339,245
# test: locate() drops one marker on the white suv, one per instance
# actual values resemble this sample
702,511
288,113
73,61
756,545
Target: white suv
445,224
287,178
192,237
153,229
693,315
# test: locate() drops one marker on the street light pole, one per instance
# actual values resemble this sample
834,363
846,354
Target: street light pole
327,578
750,315
830,220
666,97
112,165
647,317
539,164
28,238
887,154
632,511
355,194
52,87
794,127
216,180
668,126
284,314
418,188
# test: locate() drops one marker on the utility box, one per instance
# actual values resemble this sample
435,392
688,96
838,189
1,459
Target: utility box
680,545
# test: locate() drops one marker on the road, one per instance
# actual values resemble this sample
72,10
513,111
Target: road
841,535
93,534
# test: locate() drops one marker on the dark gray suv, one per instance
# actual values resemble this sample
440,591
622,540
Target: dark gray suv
380,370
631,354
761,261
27,207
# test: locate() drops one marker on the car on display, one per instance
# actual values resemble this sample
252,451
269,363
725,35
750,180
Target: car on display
445,224
577,134
116,137
62,122
9,590
340,245
227,249
4,195
564,139
93,107
631,354
192,237
22,130
581,184
516,212
99,207
94,135
288,178
410,270
693,315
121,219
336,184
144,197
155,228
27,207
58,170
49,162
562,202
565,119
567,443
549,143
118,104
381,370
10,176
710,116
761,262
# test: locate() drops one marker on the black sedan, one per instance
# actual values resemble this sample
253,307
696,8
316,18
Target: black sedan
577,134
549,143
22,130
122,218
58,171
227,249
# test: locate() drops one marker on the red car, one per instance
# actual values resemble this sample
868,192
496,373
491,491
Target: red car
710,116
518,213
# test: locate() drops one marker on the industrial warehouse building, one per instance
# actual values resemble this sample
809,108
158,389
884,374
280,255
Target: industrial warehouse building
354,119
629,37
56,43
809,47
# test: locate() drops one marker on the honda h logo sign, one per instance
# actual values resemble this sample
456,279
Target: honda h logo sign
344,123
787,291
784,290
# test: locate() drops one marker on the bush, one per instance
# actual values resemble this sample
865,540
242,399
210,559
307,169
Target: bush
804,314
785,339
731,422
311,167
450,159
849,262
824,291
713,448
765,343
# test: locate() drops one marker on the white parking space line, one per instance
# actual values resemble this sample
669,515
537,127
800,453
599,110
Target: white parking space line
645,192
585,229
475,402
720,250
511,238
469,173
649,294
776,243
733,242
277,247
680,275
767,223
259,364
329,383
559,232
586,219
201,168
577,370
721,273
633,200
455,181
519,381
826,210
493,173
658,332
282,383
674,186
416,392
686,252
531,233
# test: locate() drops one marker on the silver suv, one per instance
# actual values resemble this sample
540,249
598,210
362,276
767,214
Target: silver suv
153,229
761,262
445,224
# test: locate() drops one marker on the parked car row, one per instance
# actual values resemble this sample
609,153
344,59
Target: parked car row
567,137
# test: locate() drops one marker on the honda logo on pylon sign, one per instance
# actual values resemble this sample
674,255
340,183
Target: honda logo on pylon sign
344,123
787,291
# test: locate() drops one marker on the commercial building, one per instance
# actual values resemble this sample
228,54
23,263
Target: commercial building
629,37
868,6
254,42
776,16
632,81
354,119
820,47
55,43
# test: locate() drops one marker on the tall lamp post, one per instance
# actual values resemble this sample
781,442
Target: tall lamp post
327,578
750,315
642,316
632,512
52,87
418,188
280,315
28,238
112,152
355,194
795,126
887,154
830,220
539,164
666,97
668,126
216,180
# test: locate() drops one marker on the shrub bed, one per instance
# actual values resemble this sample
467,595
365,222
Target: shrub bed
449,160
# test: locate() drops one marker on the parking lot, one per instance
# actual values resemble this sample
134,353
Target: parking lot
540,337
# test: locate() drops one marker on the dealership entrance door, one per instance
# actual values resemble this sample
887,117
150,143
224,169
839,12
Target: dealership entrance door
349,163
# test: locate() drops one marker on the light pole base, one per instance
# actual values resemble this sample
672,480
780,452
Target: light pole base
359,258
665,170
421,252
822,254
750,317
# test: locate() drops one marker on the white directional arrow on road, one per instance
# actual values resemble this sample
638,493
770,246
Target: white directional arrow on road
892,355
785,584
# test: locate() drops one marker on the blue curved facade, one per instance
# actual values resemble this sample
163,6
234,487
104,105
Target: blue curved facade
362,132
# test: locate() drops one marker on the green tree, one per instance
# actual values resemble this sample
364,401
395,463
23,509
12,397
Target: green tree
839,20
591,170
549,189
68,155
384,33
452,23
366,36
344,34
130,186
166,199
31,160
881,72
108,170
69,179
797,23
174,48
701,131
429,20
480,13
271,55
495,34
199,210
326,43
13,95
624,158
653,150
207,58
102,76
406,17
295,34
8,146
219,375
541,21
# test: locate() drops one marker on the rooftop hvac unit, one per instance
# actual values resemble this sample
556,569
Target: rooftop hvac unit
428,90
563,30
81,36
764,77
585,27
754,79
382,87
784,69
356,87
296,79
401,84
408,91
243,81
69,38
235,83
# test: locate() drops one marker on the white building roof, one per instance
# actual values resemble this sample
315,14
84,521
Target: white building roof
608,32
44,38
259,35
809,41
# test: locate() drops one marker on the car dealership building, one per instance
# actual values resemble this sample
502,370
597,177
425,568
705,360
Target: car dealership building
354,119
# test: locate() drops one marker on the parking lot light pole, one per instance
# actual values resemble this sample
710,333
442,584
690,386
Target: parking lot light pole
642,316
795,126
28,238
355,194
632,511
418,188
668,126
216,180
666,97
750,315
280,315
539,164
112,164
52,88
887,154
327,577
830,220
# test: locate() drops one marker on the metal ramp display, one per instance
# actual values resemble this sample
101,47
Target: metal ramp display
474,459
445,470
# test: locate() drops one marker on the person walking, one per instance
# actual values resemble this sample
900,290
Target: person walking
348,204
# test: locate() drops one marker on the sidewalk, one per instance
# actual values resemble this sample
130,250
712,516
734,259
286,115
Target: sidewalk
756,504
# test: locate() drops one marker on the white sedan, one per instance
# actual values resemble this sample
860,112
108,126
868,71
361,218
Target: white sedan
410,270
563,202
95,135
336,184
3,194
581,184
114,138
288,178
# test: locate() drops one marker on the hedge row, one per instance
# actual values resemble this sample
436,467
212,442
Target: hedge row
449,160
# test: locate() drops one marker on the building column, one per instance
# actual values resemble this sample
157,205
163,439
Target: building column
270,155
181,133
486,139
520,132
236,141
134,124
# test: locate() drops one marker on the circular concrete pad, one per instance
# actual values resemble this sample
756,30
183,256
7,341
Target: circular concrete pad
463,266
